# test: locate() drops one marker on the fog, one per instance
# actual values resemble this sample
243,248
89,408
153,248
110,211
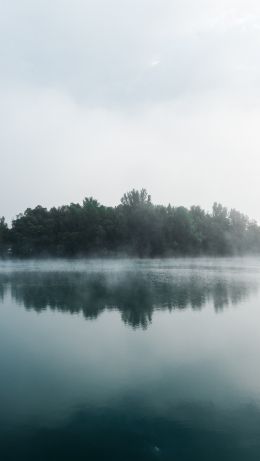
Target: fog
98,98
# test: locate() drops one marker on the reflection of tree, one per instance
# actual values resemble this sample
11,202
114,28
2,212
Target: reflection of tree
2,291
134,294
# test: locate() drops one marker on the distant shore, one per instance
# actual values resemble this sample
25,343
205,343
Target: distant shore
134,228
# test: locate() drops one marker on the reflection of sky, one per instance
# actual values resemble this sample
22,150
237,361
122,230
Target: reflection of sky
53,364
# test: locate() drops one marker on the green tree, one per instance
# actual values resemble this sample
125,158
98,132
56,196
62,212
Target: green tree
136,198
136,227
4,235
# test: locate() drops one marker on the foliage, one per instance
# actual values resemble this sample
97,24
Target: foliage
4,236
135,227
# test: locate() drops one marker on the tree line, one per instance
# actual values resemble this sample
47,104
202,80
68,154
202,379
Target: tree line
135,227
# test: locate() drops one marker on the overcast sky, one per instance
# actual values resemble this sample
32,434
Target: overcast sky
98,97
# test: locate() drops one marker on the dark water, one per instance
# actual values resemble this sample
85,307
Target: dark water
148,360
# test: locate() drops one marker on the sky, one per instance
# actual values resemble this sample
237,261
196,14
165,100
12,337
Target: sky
99,97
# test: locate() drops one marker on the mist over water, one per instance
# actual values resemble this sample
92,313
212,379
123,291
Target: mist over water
130,359
133,288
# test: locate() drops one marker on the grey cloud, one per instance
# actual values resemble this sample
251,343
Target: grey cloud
101,52
98,97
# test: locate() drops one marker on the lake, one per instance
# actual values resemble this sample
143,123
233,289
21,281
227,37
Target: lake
130,360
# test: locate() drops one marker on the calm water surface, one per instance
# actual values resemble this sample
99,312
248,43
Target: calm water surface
130,360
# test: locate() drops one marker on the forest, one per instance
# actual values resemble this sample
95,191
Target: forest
135,227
